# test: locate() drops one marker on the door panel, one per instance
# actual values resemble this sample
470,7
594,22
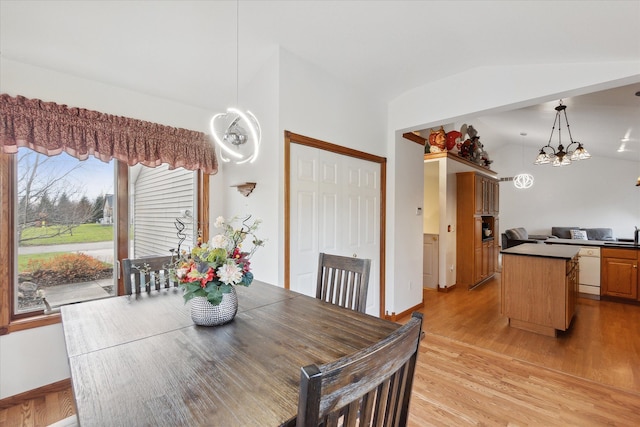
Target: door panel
345,222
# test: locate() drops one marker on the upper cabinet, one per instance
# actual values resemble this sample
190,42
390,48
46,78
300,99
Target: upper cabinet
487,195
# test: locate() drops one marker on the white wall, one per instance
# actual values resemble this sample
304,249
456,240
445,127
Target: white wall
404,238
431,209
32,358
599,192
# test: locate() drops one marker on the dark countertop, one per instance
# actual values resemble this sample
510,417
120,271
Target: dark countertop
599,243
546,251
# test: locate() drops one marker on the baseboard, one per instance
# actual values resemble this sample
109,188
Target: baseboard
394,317
446,289
18,399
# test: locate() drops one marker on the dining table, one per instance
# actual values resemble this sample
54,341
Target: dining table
139,360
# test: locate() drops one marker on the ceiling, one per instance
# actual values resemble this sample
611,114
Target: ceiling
199,52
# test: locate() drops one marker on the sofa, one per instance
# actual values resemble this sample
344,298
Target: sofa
517,236
605,234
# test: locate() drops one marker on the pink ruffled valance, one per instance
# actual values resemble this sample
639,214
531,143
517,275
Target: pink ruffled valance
50,128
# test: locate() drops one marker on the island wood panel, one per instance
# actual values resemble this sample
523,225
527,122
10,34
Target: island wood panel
536,293
244,373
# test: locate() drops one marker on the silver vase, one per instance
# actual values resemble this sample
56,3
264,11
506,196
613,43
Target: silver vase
204,313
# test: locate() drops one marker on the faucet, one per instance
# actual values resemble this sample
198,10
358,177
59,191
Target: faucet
635,236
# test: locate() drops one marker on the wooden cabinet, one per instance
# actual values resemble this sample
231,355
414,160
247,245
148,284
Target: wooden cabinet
486,195
619,273
539,291
476,257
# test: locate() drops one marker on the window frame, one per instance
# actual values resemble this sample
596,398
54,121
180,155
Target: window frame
10,322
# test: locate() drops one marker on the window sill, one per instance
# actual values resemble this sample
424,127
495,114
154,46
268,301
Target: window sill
31,322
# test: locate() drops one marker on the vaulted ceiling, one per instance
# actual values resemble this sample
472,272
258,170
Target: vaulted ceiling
196,52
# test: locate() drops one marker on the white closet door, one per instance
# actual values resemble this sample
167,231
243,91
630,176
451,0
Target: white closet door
335,203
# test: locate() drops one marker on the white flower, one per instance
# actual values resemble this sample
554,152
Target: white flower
219,241
181,272
40,293
219,222
229,273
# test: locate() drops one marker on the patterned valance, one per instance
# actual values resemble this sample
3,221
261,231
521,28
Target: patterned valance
50,129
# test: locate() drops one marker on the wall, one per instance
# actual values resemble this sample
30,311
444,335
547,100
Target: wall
431,209
405,183
599,192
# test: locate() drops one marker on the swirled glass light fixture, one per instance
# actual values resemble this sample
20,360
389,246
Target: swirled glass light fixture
523,180
238,134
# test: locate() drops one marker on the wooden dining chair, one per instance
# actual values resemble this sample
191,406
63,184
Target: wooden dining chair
371,387
343,281
146,274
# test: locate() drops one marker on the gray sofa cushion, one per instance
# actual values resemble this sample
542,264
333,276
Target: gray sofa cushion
563,232
592,233
517,233
599,233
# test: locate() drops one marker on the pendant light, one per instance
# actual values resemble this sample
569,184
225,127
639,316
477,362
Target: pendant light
237,132
559,156
523,180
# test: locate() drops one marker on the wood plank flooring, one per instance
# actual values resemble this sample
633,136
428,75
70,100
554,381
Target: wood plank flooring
473,369
40,411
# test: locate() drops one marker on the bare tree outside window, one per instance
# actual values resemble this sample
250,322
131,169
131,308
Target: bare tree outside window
59,228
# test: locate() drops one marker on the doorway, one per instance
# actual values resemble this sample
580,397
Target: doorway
334,202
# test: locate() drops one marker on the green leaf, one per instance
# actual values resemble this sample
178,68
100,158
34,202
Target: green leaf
215,297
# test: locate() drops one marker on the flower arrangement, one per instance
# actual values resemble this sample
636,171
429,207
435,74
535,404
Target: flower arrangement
211,269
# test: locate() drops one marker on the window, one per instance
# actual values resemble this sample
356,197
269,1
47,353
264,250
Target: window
63,230
60,224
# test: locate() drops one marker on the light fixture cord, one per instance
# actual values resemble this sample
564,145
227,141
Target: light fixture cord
237,51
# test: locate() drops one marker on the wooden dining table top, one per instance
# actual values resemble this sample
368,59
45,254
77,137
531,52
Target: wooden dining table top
141,361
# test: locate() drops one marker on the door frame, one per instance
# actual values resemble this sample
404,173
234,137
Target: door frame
292,138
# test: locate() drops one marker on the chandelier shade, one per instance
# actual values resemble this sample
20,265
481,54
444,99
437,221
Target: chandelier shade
560,156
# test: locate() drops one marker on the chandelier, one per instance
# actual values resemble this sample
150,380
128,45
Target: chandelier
561,156
237,132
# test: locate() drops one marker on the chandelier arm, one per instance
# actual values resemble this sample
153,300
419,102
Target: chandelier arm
553,128
569,131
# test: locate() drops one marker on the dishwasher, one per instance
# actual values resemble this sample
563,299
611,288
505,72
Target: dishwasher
589,262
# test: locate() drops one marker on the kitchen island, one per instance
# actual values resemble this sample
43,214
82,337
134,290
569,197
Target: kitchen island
539,286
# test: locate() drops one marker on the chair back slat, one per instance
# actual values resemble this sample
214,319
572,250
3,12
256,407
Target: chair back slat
343,281
371,387
147,274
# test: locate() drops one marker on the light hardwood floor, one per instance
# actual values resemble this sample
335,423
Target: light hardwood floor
473,369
